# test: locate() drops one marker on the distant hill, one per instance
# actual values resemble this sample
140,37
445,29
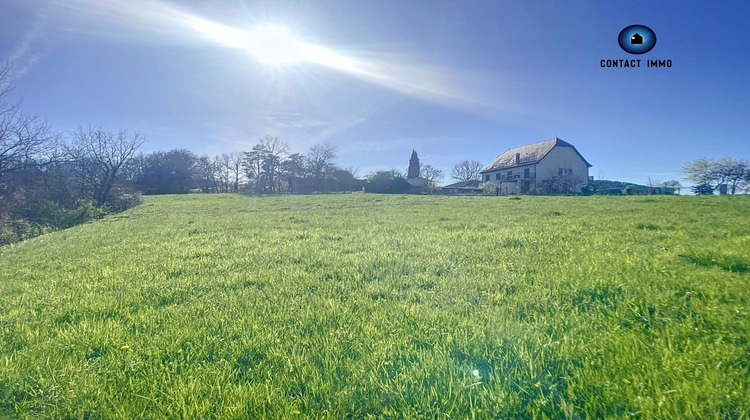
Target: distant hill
605,186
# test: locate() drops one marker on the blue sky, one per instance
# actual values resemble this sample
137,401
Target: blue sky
452,79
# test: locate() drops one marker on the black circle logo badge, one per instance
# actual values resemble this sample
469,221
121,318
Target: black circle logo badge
637,39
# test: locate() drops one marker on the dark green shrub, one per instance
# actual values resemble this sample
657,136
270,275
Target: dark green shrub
17,230
387,182
121,199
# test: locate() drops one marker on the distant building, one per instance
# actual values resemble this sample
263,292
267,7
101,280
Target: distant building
549,166
464,187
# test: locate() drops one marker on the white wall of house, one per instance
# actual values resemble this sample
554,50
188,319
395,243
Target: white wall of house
557,158
518,170
418,182
510,180
566,158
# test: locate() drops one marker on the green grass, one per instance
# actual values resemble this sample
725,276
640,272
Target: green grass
383,306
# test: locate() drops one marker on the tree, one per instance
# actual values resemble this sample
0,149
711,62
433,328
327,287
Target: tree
293,168
320,160
671,187
703,173
430,173
102,154
25,140
263,163
171,172
206,170
223,172
387,182
235,162
700,171
712,173
253,164
343,180
703,189
467,170
276,151
732,172
414,166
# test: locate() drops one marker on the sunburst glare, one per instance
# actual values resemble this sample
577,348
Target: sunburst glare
277,46
273,45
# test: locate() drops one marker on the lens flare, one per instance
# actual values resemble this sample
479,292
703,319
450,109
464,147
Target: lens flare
273,45
276,45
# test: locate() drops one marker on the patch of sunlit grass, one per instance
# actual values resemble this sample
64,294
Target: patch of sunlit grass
363,305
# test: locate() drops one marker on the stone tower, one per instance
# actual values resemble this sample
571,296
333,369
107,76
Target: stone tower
413,165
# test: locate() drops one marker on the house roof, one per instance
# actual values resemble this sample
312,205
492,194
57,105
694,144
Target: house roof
465,184
529,154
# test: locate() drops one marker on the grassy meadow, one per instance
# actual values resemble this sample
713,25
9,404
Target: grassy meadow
354,305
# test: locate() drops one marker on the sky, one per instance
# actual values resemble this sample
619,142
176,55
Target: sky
454,80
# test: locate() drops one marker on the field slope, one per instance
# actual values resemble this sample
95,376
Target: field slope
225,306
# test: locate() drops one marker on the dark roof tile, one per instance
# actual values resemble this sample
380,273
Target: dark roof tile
528,155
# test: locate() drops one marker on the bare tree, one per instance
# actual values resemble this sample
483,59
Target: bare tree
320,160
224,172
276,151
731,172
235,162
206,167
466,170
103,153
431,173
653,184
25,140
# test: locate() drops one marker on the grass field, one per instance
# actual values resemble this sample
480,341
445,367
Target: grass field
225,306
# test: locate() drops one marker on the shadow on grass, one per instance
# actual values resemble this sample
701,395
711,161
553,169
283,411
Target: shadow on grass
725,262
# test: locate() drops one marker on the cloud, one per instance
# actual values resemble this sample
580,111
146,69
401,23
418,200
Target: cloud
399,144
28,51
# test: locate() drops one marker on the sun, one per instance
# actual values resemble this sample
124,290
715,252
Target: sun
276,46
272,45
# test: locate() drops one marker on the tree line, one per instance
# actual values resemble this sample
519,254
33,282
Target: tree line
267,168
50,181
724,175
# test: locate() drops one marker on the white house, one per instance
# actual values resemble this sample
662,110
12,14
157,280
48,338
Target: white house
547,166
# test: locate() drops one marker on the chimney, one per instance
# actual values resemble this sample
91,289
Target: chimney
518,158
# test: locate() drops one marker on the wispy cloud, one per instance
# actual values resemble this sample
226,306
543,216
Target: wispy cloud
33,43
393,145
298,131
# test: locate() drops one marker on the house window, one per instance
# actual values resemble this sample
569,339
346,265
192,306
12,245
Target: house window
498,176
565,171
527,173
487,177
510,172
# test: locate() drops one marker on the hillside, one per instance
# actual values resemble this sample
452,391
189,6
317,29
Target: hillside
226,306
